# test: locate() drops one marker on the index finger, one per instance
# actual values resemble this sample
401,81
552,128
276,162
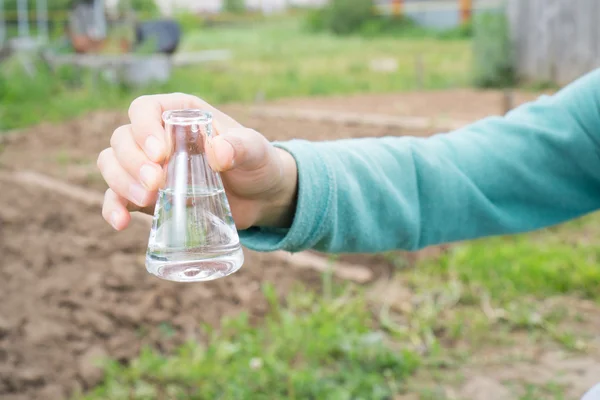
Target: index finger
145,114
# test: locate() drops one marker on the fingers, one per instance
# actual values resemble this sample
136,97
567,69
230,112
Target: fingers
114,210
145,114
119,180
239,148
134,161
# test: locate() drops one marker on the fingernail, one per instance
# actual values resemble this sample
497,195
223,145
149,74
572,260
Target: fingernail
147,176
138,194
113,219
153,148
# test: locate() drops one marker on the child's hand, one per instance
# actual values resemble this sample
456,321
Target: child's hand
260,180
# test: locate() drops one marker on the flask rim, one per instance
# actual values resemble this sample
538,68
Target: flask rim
187,116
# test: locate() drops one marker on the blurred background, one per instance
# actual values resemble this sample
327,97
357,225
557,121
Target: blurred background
500,318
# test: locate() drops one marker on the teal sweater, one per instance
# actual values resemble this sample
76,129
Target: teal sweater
535,167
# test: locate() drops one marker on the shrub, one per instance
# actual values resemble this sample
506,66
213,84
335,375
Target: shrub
189,21
235,6
147,8
348,16
392,26
341,17
494,64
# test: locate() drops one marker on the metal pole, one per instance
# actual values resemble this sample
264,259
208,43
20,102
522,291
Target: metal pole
23,18
42,20
100,21
2,24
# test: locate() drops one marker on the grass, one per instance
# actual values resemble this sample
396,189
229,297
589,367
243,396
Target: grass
346,343
276,58
497,294
348,358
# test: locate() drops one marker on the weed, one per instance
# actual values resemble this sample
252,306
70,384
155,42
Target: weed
312,348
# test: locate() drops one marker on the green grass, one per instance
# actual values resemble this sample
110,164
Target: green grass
276,58
280,59
545,263
343,343
315,347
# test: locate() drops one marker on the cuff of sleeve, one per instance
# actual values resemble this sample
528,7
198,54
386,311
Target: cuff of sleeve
313,207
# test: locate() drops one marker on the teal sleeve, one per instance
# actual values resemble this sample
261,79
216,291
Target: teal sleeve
535,167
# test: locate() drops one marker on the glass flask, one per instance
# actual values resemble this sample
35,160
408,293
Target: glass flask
193,236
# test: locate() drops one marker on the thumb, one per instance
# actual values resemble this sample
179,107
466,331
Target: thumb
239,148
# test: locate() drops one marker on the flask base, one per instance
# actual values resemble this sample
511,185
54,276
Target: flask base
195,267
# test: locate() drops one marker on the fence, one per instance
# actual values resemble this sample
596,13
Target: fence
23,19
555,40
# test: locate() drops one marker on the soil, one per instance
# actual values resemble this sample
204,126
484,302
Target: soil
73,290
460,104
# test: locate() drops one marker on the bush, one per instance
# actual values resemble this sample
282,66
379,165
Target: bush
235,6
316,20
147,8
348,16
463,31
494,64
393,26
341,17
189,21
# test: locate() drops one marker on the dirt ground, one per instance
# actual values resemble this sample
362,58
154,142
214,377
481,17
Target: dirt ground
73,290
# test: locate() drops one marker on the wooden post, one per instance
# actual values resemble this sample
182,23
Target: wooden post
397,7
466,10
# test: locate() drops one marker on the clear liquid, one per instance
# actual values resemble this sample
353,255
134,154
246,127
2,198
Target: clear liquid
193,237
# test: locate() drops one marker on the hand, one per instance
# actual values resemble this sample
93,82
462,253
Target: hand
260,180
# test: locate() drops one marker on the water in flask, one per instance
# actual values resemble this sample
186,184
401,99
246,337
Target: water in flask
193,236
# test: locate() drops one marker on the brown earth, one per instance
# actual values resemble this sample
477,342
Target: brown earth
73,290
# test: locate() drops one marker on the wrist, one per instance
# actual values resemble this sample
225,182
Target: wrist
279,207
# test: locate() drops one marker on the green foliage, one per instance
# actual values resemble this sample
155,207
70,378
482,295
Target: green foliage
189,22
493,53
147,8
53,5
310,349
393,26
463,31
27,100
346,16
524,265
316,20
277,58
341,17
235,6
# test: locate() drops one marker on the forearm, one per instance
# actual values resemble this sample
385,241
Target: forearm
534,168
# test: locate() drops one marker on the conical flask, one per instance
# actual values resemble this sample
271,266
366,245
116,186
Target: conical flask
193,236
